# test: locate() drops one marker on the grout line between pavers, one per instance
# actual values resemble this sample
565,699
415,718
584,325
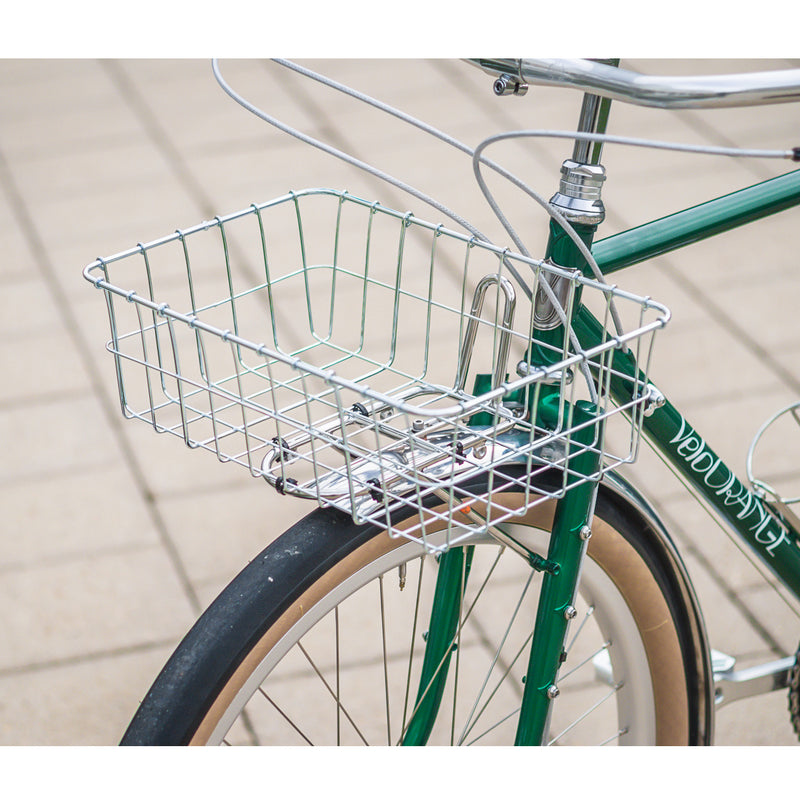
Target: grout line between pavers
732,327
63,558
49,274
98,655
732,595
157,134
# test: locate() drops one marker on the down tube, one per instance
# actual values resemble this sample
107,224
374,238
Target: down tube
772,539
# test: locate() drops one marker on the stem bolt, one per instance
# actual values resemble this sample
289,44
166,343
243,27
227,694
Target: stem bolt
553,692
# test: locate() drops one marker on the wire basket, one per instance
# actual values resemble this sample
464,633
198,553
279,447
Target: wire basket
369,360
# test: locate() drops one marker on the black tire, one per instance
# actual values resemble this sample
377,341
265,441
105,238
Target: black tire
291,580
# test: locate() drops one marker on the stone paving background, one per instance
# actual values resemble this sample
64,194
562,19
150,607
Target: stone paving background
113,539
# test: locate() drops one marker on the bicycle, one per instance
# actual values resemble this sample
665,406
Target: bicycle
455,492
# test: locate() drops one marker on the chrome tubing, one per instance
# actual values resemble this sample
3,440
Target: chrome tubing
702,91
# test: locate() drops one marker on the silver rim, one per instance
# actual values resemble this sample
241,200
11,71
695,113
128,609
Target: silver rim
345,672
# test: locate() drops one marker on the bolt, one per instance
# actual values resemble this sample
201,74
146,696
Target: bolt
281,484
570,612
506,84
653,399
586,533
553,692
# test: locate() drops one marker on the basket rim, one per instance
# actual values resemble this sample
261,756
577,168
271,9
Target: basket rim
458,409
377,207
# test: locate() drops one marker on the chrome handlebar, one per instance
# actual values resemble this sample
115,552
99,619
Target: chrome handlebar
705,91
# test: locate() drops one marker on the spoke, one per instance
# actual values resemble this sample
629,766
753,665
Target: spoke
483,586
247,724
285,716
385,664
586,660
495,690
586,713
332,693
589,612
413,639
467,726
454,639
496,725
618,735
458,656
455,692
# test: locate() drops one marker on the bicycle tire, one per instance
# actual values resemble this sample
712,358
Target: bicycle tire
318,562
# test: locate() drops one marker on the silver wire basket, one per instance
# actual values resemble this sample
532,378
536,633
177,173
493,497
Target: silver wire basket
368,360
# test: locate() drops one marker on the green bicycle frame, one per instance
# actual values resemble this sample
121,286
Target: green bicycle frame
772,537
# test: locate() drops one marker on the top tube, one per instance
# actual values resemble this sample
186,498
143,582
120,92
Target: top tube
703,91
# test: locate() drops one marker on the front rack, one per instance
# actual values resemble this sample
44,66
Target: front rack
369,360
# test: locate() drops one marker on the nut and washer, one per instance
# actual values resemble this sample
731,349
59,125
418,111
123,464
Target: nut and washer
653,399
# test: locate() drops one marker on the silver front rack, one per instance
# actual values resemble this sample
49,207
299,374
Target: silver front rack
366,359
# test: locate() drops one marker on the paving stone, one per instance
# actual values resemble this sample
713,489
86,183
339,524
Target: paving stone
90,606
72,515
87,703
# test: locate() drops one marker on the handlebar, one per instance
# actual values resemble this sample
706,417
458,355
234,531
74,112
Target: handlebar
705,91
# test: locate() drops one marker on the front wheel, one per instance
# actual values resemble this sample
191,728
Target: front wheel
320,640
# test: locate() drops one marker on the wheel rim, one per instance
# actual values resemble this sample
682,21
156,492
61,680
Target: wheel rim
597,705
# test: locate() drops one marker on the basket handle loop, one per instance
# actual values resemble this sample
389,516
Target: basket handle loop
468,344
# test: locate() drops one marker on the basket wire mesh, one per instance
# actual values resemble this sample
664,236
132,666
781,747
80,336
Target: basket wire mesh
368,360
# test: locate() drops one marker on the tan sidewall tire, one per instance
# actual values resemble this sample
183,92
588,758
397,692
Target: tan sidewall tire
607,547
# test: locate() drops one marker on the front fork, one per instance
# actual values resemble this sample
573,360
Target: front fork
561,572
568,541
